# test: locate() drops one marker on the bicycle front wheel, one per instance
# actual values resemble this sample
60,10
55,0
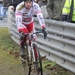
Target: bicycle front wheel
38,62
27,62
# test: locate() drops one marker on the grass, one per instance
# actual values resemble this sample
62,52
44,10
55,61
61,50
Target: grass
10,63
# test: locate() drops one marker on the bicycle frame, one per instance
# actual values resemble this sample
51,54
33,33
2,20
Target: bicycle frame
31,47
33,54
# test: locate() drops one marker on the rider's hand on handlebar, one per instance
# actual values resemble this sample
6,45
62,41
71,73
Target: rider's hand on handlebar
44,32
21,35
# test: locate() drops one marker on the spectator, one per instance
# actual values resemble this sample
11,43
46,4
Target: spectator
5,3
15,3
42,2
1,11
62,3
44,11
54,9
68,11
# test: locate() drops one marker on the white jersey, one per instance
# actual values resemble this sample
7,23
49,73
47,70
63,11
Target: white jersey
25,16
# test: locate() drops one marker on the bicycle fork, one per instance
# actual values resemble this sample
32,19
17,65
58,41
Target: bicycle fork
34,51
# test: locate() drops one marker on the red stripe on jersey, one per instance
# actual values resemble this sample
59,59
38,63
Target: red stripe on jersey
38,12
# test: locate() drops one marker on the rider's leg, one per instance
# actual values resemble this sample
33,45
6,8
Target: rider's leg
28,29
22,42
22,48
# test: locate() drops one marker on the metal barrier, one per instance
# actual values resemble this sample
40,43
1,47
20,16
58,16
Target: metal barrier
59,45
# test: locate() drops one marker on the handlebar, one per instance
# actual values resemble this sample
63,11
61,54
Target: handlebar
45,35
37,32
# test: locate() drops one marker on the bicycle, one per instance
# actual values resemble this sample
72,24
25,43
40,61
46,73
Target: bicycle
33,57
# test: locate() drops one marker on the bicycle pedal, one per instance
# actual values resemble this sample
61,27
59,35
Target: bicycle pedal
23,60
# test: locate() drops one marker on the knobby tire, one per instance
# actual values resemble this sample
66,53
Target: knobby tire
38,62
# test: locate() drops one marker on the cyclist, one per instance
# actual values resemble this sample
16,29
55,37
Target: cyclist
24,19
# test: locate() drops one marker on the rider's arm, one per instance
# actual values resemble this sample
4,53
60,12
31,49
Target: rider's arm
39,14
18,16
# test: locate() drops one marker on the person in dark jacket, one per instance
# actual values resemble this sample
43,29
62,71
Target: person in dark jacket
15,3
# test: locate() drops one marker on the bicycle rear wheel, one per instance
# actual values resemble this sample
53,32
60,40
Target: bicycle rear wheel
38,62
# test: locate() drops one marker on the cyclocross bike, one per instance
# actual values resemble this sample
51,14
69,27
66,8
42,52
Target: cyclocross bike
33,59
